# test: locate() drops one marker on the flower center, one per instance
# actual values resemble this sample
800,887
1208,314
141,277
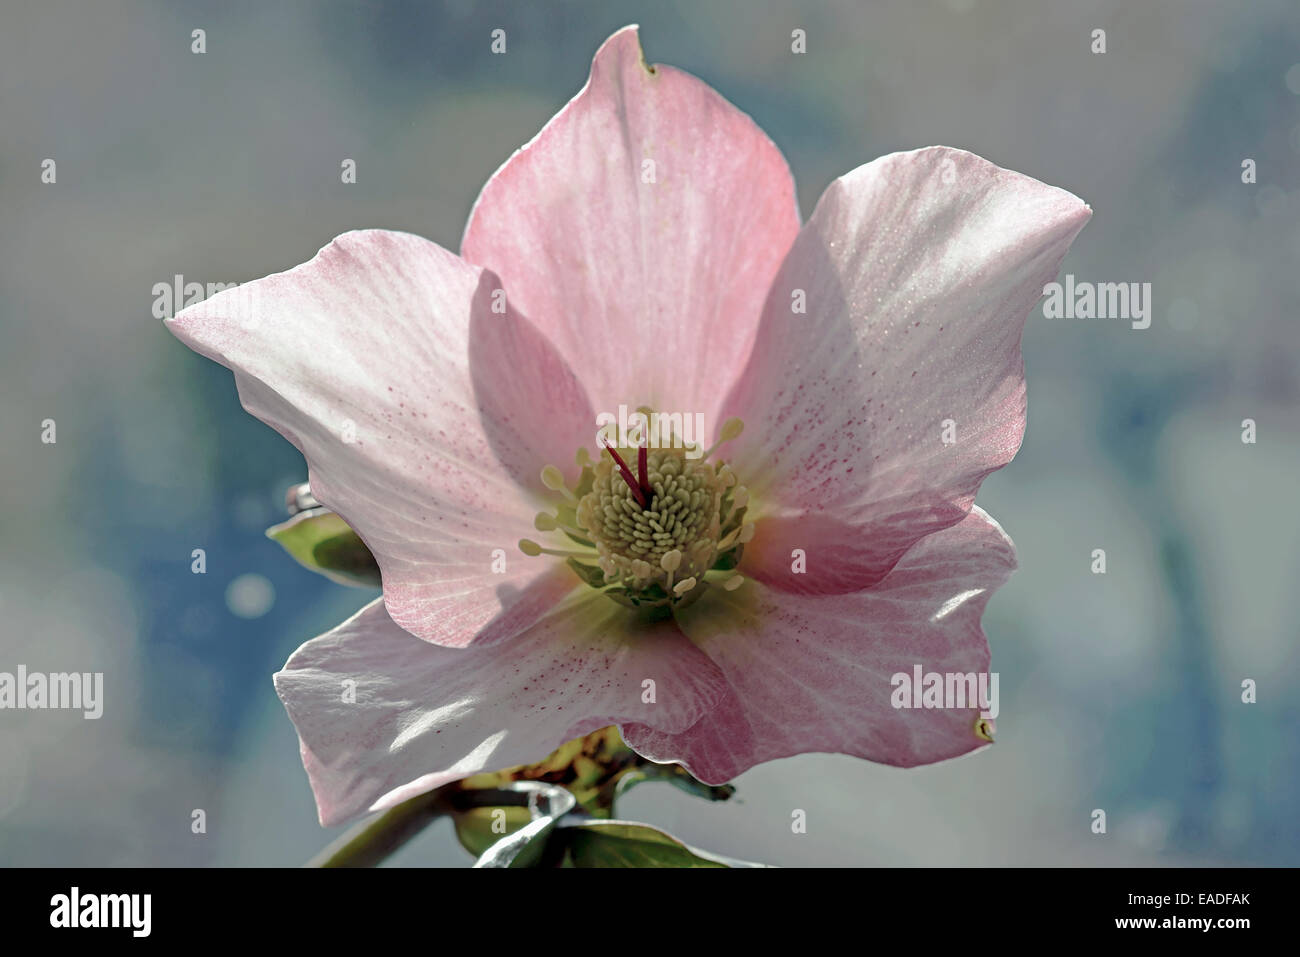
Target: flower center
655,527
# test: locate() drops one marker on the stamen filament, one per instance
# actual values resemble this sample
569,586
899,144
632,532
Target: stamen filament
532,550
730,429
546,522
670,562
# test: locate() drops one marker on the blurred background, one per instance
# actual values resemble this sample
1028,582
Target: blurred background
1119,691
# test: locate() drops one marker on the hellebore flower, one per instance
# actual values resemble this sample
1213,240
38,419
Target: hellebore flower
645,251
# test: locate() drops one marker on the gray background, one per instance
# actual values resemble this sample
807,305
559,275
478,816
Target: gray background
1119,692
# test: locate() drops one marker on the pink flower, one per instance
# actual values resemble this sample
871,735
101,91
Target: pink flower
645,250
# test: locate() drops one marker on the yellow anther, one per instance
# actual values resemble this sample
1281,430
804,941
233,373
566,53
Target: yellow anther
731,429
553,479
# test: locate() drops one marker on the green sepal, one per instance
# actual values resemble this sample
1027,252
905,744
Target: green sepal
320,540
625,844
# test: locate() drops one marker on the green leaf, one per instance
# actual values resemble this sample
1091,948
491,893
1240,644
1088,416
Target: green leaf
474,827
320,540
593,843
530,845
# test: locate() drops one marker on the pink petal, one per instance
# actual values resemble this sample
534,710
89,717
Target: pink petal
426,715
813,672
362,359
650,291
919,270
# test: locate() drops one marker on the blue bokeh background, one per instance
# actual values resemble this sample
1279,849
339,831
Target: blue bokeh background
1119,692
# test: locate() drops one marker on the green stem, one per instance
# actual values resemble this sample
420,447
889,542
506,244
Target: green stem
368,843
